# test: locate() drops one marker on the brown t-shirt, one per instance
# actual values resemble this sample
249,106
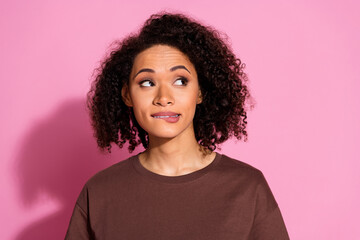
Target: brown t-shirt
225,200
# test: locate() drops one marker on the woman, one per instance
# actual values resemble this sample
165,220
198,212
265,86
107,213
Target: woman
177,89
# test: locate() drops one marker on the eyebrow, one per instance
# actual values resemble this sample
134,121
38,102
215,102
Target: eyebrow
171,69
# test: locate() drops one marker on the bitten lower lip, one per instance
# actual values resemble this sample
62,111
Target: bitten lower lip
167,116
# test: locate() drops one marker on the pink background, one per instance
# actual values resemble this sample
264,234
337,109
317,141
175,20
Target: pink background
303,62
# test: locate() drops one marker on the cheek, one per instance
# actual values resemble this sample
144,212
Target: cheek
190,99
139,109
139,112
188,105
140,101
141,120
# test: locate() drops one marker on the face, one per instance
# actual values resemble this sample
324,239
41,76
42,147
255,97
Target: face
163,91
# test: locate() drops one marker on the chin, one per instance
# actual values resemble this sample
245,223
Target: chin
168,132
164,135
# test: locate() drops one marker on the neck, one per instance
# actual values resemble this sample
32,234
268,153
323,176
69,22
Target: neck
175,156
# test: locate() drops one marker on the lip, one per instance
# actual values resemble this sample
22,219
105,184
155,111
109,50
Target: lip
170,114
170,117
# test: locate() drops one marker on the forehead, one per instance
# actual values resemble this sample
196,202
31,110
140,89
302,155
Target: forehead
161,58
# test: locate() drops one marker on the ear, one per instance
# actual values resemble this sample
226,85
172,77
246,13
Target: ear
200,97
125,95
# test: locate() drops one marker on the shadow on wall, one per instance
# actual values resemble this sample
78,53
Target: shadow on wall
56,159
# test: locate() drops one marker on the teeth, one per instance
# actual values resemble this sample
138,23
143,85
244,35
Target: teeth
166,116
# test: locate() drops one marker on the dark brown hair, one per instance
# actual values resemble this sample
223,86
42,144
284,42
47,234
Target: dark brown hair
222,113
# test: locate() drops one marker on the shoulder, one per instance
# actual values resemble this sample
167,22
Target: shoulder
248,177
241,175
114,174
105,181
231,165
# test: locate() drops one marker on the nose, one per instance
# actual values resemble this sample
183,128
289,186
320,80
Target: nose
163,97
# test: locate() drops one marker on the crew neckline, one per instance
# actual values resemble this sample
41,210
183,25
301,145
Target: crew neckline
174,179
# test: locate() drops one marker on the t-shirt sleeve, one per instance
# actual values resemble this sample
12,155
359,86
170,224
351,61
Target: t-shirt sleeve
268,221
79,226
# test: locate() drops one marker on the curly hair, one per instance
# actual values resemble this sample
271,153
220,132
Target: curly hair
222,113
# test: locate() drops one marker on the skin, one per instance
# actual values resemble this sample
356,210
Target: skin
163,79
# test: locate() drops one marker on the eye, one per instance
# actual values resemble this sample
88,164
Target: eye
146,83
181,81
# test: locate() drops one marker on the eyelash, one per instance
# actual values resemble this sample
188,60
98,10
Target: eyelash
143,81
185,80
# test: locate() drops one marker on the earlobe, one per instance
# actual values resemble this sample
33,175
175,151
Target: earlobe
126,96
